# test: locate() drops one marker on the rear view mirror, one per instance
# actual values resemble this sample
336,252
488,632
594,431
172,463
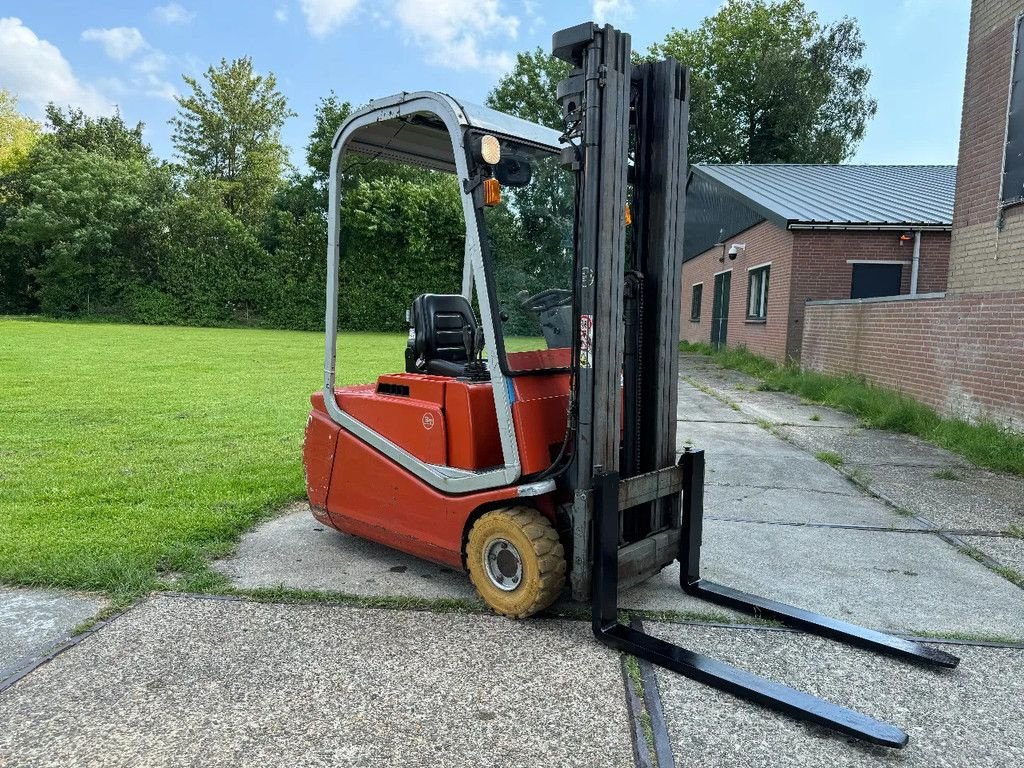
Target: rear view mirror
512,171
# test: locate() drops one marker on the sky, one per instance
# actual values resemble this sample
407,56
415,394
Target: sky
131,54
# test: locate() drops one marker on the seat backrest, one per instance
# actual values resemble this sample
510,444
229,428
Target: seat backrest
435,330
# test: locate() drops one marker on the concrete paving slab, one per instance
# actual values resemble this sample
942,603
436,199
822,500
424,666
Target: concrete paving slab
977,498
904,582
956,718
800,505
783,408
661,593
707,372
296,551
872,446
184,681
1006,551
291,551
695,405
734,440
799,472
33,621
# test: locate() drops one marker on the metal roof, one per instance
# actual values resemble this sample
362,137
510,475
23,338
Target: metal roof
841,195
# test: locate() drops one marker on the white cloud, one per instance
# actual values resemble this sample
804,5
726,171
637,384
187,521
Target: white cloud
281,13
536,21
126,44
157,87
456,33
120,43
325,16
173,13
37,72
154,61
608,10
459,34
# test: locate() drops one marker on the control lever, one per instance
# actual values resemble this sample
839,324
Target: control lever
473,341
469,342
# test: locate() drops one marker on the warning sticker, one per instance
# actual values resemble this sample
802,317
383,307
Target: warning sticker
586,341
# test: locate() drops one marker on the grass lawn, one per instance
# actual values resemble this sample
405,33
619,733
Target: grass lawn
128,453
985,444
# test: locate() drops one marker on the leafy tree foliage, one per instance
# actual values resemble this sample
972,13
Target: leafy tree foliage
399,238
228,134
18,134
71,128
328,116
90,201
770,84
528,91
215,267
89,226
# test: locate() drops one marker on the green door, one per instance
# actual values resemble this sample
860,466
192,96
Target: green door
720,309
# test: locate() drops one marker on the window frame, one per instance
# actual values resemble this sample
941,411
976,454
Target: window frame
762,271
1016,82
696,301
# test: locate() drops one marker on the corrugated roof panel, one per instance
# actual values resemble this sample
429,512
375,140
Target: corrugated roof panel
843,194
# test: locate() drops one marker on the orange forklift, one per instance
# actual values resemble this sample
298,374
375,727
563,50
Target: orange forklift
531,438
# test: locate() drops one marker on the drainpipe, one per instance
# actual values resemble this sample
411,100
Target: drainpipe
916,263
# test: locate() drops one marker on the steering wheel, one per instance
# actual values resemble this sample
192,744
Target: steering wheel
544,300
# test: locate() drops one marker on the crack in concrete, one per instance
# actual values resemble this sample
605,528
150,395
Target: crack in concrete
863,527
784,488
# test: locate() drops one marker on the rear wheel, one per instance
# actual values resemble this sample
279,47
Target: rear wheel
516,561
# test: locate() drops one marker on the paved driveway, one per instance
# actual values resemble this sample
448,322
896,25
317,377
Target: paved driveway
186,680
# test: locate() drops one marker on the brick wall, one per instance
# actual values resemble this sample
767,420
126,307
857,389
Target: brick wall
821,269
764,242
985,257
988,249
961,354
806,265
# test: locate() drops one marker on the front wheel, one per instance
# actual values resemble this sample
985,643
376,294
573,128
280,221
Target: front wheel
516,561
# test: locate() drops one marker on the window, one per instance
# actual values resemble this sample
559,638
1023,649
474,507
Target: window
757,292
698,291
871,280
1012,186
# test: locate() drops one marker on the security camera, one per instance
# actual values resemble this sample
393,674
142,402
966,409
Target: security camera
735,249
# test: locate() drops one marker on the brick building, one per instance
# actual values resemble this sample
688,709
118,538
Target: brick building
963,352
762,240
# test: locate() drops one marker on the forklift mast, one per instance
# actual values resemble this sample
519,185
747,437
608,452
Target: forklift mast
634,507
627,289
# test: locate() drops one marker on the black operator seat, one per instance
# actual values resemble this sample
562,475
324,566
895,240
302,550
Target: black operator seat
436,343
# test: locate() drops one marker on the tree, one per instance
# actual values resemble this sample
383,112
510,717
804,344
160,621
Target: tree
399,238
89,227
228,132
328,116
87,210
295,237
73,129
528,91
18,134
769,83
215,268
